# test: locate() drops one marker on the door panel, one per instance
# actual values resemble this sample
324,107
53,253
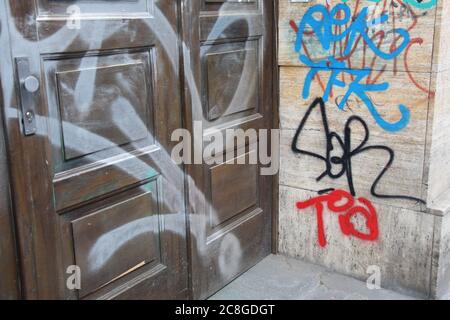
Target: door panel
228,68
100,240
95,185
231,80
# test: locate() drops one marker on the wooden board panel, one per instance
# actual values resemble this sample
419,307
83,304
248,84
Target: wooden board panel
116,107
226,202
115,240
231,75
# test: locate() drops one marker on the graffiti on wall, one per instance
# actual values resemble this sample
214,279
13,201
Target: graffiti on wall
421,4
339,166
343,203
336,167
327,40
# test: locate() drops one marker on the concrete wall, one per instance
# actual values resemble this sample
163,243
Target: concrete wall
403,77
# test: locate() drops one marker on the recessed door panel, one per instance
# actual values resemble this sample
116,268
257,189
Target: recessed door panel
117,240
231,79
229,203
229,5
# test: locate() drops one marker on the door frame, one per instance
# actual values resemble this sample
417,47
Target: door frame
276,125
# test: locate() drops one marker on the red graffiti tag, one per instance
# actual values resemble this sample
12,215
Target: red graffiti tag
343,203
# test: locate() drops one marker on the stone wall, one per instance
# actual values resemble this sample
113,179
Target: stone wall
367,164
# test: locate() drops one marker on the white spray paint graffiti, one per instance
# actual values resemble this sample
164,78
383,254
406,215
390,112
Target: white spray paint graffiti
230,254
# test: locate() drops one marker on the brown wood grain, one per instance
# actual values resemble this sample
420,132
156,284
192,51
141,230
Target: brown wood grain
9,272
244,236
106,161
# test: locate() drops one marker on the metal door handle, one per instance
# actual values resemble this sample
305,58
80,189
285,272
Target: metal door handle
29,95
31,84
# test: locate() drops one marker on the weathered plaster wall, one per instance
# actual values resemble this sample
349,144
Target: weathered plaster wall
399,224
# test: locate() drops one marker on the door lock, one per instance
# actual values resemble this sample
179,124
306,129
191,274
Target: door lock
31,84
29,95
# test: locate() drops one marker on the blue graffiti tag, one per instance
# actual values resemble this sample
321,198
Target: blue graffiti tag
356,87
322,21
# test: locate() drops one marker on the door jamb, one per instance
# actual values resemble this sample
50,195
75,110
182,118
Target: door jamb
276,125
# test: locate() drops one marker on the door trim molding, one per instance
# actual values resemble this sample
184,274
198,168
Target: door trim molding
276,125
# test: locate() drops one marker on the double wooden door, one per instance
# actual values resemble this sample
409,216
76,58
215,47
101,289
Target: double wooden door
92,92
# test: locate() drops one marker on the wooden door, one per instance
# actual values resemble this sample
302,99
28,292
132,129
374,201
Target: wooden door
9,276
228,65
89,115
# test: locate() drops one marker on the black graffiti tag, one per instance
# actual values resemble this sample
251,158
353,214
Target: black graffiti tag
345,161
